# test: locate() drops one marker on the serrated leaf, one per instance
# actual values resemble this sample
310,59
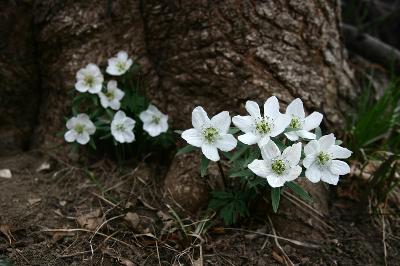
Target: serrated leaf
186,149
204,165
275,198
299,191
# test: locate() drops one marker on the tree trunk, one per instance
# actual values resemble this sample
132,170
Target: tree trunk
216,54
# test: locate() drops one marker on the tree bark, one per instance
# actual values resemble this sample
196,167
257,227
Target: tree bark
217,54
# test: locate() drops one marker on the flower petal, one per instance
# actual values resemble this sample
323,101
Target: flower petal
70,136
253,109
112,85
339,167
122,55
128,136
153,129
305,134
293,173
83,138
80,86
71,123
249,138
313,173
281,122
226,142
193,137
120,115
312,147
222,121
296,108
210,151
326,142
270,151
129,123
340,152
293,154
308,160
330,178
271,108
275,181
259,167
291,135
244,123
312,121
199,118
115,105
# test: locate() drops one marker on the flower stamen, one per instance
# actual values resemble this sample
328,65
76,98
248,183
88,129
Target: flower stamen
323,158
121,66
89,80
278,167
210,134
295,123
155,120
79,128
263,127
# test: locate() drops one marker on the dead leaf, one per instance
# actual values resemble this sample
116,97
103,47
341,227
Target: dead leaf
133,219
6,230
5,173
115,255
278,257
33,201
90,220
43,167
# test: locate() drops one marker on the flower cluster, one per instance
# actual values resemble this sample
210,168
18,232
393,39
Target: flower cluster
280,138
115,102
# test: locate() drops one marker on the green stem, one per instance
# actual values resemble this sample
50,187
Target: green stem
221,171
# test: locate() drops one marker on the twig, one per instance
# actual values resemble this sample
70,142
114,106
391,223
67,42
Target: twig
221,171
285,256
384,241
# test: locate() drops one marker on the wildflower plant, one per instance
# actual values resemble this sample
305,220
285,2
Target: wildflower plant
110,110
274,150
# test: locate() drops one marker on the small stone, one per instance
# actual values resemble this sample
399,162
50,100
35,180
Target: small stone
5,173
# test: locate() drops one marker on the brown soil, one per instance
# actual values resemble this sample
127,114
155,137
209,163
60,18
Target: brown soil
32,203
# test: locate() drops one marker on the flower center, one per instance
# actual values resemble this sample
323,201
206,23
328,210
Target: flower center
121,66
295,123
263,127
89,80
79,128
155,119
278,167
323,158
210,134
120,127
110,95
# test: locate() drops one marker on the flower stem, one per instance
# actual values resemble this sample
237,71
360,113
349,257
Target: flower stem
221,171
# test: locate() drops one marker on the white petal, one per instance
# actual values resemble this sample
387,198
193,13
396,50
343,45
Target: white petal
90,128
70,136
95,89
291,135
270,151
129,136
293,154
83,118
71,123
112,85
83,138
80,86
153,109
164,125
226,142
244,123
210,151
271,108
313,173
199,118
193,137
339,167
128,63
103,100
129,123
280,124
146,116
153,129
296,108
326,142
311,148
120,115
339,152
308,160
330,178
222,121
275,181
293,173
122,55
305,134
249,138
118,136
312,121
253,109
112,70
93,68
119,94
115,105
259,167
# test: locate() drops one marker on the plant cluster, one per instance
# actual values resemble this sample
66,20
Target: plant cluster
113,106
269,154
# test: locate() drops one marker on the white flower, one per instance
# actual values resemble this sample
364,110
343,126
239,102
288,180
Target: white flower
257,128
278,167
80,128
122,128
210,135
298,121
112,98
118,65
89,79
320,160
154,122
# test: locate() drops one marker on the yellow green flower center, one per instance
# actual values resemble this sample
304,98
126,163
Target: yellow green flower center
278,167
110,95
210,134
323,158
120,127
89,80
156,119
121,66
79,128
263,127
295,123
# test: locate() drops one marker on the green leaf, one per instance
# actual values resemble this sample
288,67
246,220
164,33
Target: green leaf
299,191
242,173
239,153
338,142
204,165
186,149
318,132
275,197
92,144
233,130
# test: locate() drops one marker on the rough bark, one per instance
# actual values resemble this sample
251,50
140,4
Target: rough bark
217,54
